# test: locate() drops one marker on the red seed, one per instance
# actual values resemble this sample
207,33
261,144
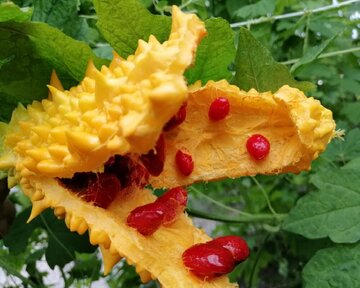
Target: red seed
147,219
258,146
177,119
102,190
235,244
175,202
154,160
206,261
179,194
184,163
219,109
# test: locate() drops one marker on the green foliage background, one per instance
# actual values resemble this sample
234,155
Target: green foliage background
303,229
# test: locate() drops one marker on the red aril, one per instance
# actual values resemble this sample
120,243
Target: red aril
219,109
177,119
175,201
179,194
139,176
206,261
154,160
102,189
184,163
258,146
147,219
235,244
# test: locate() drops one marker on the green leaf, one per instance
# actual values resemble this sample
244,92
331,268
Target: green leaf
31,51
261,8
338,266
343,150
13,264
331,212
214,54
255,67
86,265
17,238
353,164
62,244
311,54
55,13
11,12
124,22
351,111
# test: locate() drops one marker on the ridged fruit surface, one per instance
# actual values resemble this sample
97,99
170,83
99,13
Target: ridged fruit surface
117,110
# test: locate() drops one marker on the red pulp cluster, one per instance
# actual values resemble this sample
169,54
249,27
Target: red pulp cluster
148,218
216,257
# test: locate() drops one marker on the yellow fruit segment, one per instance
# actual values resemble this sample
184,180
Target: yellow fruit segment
117,110
298,129
157,256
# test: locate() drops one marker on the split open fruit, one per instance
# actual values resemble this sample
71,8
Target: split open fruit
89,152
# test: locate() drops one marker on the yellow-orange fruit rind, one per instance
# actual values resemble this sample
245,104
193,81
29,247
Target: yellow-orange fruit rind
297,127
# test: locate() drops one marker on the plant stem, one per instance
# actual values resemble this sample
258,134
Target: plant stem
13,271
293,14
257,260
306,39
255,218
66,285
218,203
272,210
325,55
184,5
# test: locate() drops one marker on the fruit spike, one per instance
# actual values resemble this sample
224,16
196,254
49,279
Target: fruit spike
117,110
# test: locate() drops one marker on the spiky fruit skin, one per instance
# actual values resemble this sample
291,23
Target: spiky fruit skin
118,110
236,245
258,146
206,261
